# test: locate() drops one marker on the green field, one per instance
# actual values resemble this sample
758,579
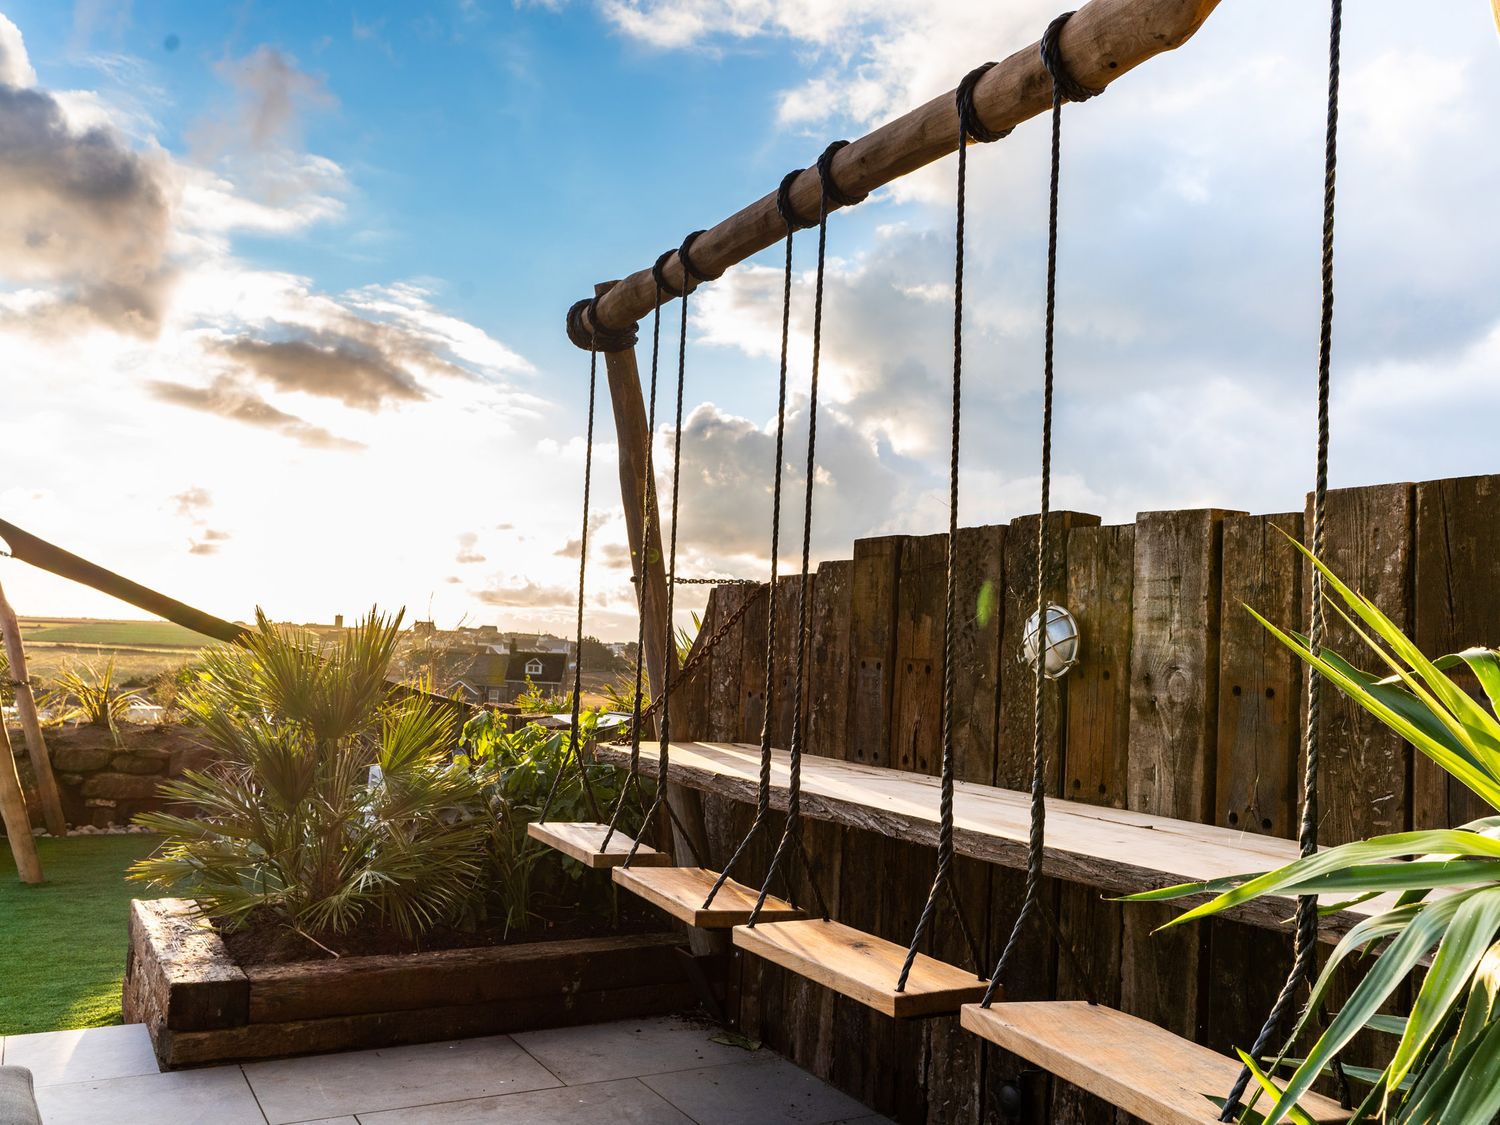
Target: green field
129,634
63,955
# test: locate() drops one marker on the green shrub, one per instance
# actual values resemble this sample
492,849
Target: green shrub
295,827
89,696
532,882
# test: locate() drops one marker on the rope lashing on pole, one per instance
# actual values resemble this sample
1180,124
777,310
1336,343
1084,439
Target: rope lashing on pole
1064,88
1304,955
763,794
969,128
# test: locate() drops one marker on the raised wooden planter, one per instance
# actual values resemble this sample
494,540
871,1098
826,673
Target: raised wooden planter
200,1007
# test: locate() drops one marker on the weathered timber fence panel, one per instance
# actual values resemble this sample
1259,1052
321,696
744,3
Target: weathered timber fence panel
1182,706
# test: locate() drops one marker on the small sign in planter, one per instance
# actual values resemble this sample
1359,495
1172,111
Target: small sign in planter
201,1007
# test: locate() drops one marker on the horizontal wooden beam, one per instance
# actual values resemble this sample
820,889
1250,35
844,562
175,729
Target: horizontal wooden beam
1117,851
1102,41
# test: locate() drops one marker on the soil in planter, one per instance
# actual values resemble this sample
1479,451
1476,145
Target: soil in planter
264,941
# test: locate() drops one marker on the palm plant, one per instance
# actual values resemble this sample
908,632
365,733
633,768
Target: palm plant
296,826
1446,1065
89,696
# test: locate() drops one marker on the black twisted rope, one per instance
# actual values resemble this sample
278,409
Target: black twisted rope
1304,956
968,123
763,798
830,193
691,271
664,725
1064,87
575,741
649,507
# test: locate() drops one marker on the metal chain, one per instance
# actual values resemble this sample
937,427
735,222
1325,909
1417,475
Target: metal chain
1304,956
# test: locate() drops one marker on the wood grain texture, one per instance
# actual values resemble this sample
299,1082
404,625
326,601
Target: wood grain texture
1104,40
680,891
14,816
1365,779
916,721
1457,606
1145,1070
829,689
872,648
584,841
1260,680
178,975
861,966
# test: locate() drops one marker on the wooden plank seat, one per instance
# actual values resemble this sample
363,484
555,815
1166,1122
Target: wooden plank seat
1129,1062
680,891
1114,850
584,841
861,966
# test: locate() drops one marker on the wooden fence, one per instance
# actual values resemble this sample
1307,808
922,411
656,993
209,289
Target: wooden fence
1182,706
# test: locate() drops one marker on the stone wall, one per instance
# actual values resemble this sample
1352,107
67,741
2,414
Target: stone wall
107,779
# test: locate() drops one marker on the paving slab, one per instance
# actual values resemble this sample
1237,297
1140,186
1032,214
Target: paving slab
767,1091
91,1054
362,1082
622,1102
628,1048
219,1096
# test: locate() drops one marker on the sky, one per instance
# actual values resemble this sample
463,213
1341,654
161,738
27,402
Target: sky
282,286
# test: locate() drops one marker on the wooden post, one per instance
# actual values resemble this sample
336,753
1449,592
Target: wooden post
13,814
36,745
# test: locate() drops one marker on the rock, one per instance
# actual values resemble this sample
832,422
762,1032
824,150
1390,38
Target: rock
138,763
190,757
73,779
81,759
100,803
120,786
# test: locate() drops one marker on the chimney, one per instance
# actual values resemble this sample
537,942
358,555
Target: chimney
338,620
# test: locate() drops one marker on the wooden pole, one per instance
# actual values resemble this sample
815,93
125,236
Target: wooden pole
36,745
1102,41
14,816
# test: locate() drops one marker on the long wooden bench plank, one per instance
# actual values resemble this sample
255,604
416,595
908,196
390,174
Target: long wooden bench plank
861,966
1130,1063
1115,850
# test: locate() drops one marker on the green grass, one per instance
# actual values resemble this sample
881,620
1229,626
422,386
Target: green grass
62,944
158,634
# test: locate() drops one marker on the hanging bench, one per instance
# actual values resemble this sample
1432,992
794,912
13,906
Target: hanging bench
584,841
1131,1063
680,891
861,966
1117,851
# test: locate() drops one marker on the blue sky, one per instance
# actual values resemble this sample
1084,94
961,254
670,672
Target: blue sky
305,350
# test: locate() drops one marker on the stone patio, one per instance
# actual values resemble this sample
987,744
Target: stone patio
638,1072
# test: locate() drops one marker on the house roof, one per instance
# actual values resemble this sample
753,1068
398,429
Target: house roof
554,667
485,669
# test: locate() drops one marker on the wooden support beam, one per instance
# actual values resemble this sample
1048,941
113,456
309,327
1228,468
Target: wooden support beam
36,745
14,816
1102,41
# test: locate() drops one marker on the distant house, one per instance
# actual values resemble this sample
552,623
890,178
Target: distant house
491,677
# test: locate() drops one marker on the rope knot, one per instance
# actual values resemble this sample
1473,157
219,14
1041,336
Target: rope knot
659,275
969,125
1064,86
593,336
691,271
831,189
784,206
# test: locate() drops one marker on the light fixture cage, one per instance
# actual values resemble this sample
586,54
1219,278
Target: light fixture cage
1063,645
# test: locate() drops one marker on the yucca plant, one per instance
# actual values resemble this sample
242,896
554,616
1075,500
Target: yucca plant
1446,1065
295,826
89,696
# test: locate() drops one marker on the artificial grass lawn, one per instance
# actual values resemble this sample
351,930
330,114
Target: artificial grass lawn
62,944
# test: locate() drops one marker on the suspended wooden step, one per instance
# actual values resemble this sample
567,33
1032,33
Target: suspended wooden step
861,966
1115,850
680,891
1131,1063
584,841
